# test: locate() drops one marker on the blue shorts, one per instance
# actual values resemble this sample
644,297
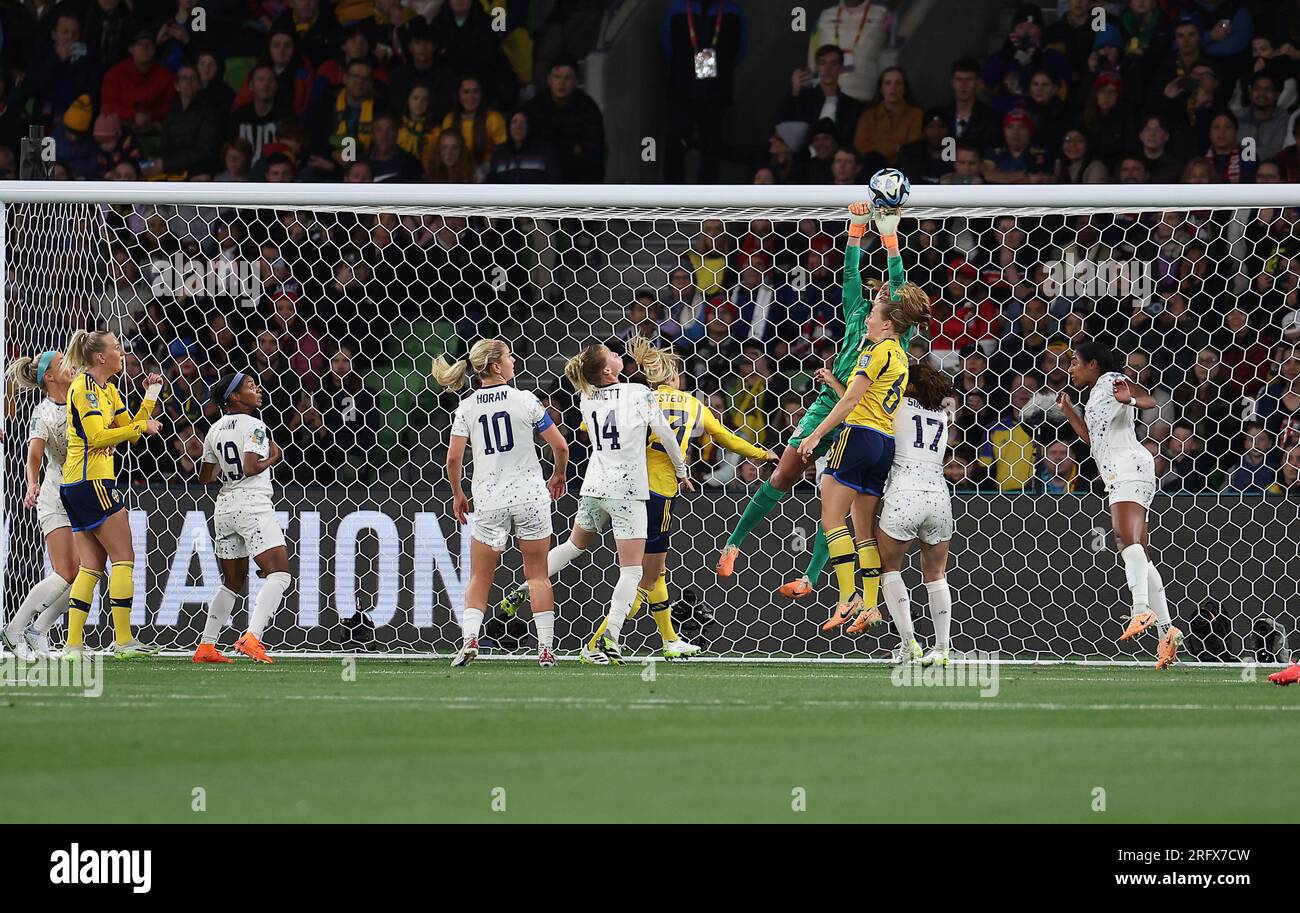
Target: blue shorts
91,502
861,459
659,523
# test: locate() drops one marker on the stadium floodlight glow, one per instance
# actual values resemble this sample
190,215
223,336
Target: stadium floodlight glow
404,272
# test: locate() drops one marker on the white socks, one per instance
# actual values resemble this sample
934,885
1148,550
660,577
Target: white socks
49,594
1159,604
560,557
900,604
629,578
219,609
1136,570
470,622
940,597
544,622
268,601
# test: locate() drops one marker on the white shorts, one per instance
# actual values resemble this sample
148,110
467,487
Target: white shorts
49,510
1139,490
526,521
627,517
245,533
923,515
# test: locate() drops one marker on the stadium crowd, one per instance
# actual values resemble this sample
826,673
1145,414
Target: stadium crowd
409,90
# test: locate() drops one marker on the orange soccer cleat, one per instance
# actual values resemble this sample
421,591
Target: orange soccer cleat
1288,676
796,589
251,647
1137,624
1167,653
843,612
727,560
865,620
208,653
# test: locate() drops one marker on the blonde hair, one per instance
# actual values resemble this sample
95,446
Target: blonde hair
586,368
482,355
84,345
22,371
911,307
659,366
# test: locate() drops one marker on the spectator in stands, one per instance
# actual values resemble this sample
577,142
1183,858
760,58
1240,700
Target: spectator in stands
824,100
644,317
846,167
1159,419
568,120
418,132
218,94
1264,122
139,89
1191,469
1278,406
1016,161
1009,450
704,41
1072,33
344,422
280,169
315,26
189,134
859,28
821,153
388,161
760,316
295,81
1256,471
1227,27
109,25
1076,164
923,161
888,123
968,118
342,121
73,144
962,318
237,157
708,256
354,44
1058,473
1241,351
785,164
60,75
1162,166
967,165
712,358
463,32
523,159
1105,121
257,121
1045,106
813,299
1053,368
754,394
685,304
422,66
1006,74
482,129
1266,56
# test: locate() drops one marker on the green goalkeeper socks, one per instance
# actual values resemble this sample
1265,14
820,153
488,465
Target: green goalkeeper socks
759,506
820,555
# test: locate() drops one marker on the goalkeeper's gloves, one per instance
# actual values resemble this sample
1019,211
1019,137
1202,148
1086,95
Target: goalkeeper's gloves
886,219
858,223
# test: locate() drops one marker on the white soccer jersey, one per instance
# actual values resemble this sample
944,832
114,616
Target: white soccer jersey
920,449
500,422
227,441
50,424
618,417
1115,447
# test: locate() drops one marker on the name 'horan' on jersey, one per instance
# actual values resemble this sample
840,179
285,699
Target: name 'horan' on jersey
618,418
1112,431
507,470
226,443
920,448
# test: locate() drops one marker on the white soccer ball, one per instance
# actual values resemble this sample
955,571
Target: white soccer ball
890,188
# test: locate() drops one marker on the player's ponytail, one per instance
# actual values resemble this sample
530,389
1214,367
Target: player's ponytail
482,356
22,372
659,366
83,346
587,368
1109,361
450,374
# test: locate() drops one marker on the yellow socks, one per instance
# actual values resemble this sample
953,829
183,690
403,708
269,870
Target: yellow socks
869,562
663,616
637,602
79,599
121,593
839,542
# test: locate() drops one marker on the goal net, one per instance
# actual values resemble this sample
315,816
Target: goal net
338,308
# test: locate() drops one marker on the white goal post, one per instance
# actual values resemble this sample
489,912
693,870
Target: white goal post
338,297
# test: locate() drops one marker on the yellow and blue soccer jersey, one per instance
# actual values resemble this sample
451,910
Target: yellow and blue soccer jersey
689,418
98,421
885,365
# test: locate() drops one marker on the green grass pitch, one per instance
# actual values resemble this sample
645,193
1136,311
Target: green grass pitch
413,740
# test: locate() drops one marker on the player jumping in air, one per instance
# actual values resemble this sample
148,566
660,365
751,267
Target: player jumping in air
689,418
618,417
97,421
918,508
47,439
863,452
1128,471
239,451
790,469
500,422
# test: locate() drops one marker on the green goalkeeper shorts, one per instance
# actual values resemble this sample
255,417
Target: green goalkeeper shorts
815,415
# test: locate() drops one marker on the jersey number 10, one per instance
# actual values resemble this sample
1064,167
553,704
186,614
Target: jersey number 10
498,434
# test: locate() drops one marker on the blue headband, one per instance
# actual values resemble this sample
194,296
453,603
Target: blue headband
234,385
43,365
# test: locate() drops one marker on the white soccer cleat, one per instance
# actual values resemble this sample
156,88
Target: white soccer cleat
906,653
590,657
468,651
680,649
935,657
545,658
37,642
16,645
134,649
